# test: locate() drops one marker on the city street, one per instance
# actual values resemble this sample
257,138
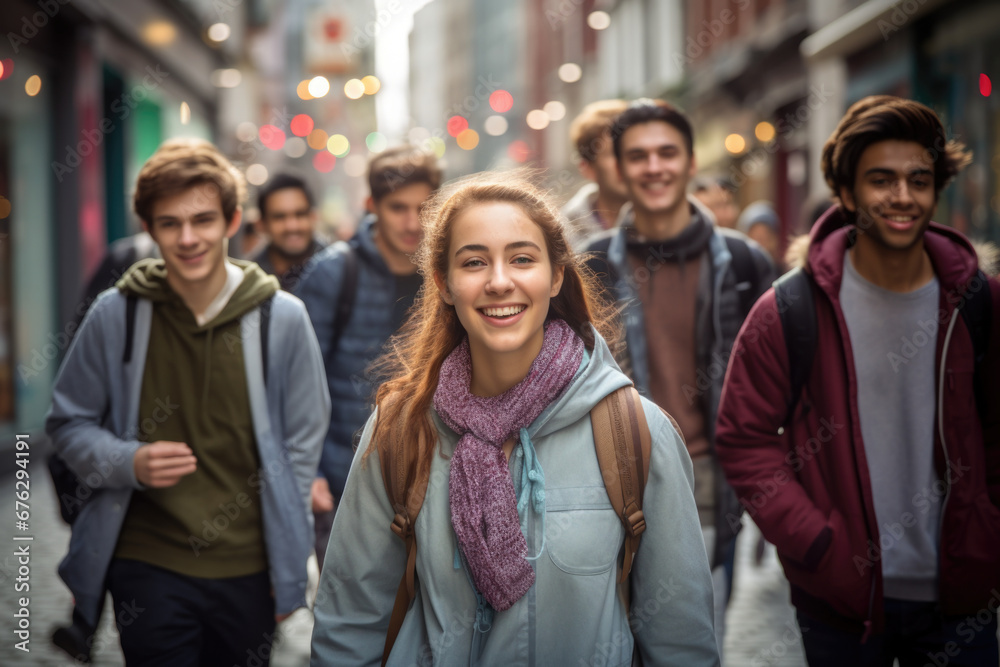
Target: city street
760,620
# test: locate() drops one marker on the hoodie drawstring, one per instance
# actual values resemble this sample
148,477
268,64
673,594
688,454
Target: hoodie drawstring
532,484
208,368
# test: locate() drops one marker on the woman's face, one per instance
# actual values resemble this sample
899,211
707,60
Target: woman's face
500,280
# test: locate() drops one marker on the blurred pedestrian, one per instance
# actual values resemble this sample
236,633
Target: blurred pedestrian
760,222
358,293
595,206
196,437
718,196
873,463
685,286
490,394
288,217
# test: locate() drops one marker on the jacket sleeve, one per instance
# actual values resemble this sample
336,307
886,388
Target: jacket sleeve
671,611
306,402
755,458
991,386
319,289
80,402
364,565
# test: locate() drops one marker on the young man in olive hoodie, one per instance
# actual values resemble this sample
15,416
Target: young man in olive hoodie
203,423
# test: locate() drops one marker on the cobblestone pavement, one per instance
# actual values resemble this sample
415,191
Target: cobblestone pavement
760,620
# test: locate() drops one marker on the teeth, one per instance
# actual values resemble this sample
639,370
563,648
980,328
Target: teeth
503,312
899,218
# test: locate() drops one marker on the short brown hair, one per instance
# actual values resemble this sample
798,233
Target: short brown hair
593,125
179,164
401,166
881,117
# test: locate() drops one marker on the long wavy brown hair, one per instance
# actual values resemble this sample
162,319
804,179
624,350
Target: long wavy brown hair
413,361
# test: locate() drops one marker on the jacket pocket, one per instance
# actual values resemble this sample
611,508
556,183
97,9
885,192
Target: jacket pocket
583,535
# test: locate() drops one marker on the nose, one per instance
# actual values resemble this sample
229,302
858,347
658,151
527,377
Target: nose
187,234
499,280
901,195
654,164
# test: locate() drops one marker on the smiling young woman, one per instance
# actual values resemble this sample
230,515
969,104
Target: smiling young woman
488,396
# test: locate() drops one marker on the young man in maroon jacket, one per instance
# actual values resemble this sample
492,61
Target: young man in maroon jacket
882,491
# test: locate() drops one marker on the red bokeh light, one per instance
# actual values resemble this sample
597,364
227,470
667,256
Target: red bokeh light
324,161
518,151
501,101
6,68
457,125
302,125
272,137
985,85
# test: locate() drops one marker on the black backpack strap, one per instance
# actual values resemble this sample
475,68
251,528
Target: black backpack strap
131,300
745,270
265,331
797,310
977,313
346,298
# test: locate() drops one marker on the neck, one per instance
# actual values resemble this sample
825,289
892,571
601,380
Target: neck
399,263
198,295
494,373
607,207
893,270
663,226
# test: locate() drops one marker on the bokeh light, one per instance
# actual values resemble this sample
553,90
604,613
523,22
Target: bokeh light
4,207
598,20
6,68
317,139
33,85
735,144
764,131
371,84
457,125
376,142
501,101
570,72
985,85
159,33
246,131
324,162
302,90
272,137
3,66
226,78
537,119
495,125
338,145
302,125
518,151
185,113
295,147
356,166
467,139
555,110
319,86
437,146
218,32
256,174
354,89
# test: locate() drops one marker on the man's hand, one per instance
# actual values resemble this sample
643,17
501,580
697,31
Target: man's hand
162,463
322,499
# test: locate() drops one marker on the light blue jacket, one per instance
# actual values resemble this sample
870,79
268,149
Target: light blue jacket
573,614
93,424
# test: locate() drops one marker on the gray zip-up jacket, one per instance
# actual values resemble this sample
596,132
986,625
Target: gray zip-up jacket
93,424
573,613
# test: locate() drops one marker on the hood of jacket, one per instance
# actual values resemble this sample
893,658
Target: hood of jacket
364,242
147,279
821,252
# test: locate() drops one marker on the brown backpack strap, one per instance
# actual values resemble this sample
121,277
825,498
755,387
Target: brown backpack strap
622,440
406,502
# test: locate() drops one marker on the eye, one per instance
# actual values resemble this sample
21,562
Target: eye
472,263
920,183
523,259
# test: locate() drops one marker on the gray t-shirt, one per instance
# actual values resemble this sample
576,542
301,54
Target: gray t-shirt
893,339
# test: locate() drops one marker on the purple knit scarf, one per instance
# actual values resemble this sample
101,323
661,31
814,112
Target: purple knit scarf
481,492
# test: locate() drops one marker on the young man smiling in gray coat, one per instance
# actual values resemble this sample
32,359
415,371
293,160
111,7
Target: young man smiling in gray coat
192,405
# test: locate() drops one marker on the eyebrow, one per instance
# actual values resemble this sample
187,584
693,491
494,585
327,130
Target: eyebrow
200,214
891,172
473,247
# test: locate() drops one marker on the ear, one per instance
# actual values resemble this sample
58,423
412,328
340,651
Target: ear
586,170
847,198
693,169
234,224
558,273
370,205
442,287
